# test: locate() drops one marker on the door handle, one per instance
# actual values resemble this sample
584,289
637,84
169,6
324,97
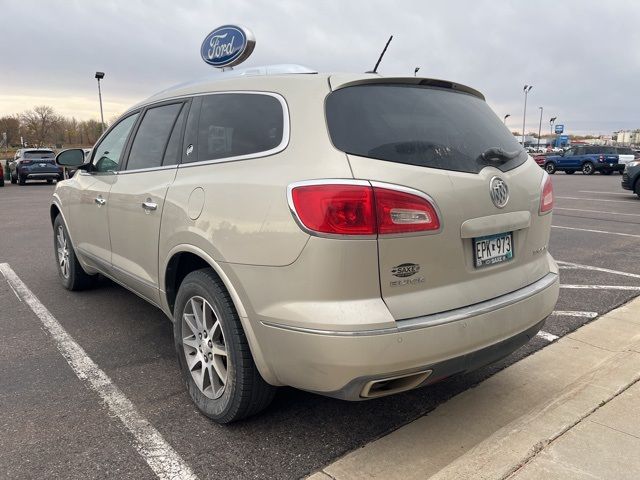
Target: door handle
100,201
149,206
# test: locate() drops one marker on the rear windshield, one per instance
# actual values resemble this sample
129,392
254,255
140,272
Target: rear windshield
421,126
39,154
625,151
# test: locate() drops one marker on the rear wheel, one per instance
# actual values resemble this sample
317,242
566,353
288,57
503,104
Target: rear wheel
1,181
636,189
550,168
570,172
588,168
14,180
71,273
22,179
213,353
49,181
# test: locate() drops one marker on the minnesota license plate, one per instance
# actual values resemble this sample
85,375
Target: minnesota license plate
493,249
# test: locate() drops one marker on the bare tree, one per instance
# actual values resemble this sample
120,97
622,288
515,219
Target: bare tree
10,125
39,124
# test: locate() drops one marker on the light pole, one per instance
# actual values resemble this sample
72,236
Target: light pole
551,122
100,76
504,120
540,127
526,90
415,71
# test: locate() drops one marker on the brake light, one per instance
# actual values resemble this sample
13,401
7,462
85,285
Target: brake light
26,162
546,197
361,209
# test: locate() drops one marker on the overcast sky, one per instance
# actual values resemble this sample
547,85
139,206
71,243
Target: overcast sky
582,57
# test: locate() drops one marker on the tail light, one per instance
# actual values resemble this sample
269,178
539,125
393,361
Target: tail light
546,197
26,162
359,208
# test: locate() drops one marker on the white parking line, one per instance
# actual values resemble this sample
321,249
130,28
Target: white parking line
631,288
606,193
598,211
577,266
571,313
631,200
596,231
549,337
152,447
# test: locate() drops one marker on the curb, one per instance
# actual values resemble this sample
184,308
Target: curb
492,430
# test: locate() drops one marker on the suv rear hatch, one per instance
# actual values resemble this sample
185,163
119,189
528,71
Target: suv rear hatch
430,136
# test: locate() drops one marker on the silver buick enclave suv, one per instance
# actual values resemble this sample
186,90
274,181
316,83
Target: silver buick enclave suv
350,235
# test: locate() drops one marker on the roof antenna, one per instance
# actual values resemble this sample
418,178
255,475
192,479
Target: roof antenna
375,69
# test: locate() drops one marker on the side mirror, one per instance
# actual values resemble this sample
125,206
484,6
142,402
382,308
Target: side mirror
74,157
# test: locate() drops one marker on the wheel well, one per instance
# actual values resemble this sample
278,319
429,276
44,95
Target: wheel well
53,212
181,265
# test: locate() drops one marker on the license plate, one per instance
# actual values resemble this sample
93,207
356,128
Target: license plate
493,249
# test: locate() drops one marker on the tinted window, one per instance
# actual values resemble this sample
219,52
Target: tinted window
625,151
151,139
581,151
234,124
419,126
109,151
173,147
39,154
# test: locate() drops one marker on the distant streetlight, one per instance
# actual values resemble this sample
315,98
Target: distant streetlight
504,120
526,90
540,127
551,122
100,76
415,71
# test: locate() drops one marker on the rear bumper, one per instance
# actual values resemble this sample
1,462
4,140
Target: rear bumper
342,364
42,175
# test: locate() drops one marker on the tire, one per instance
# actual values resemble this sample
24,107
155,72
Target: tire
49,181
14,180
22,180
588,168
636,187
550,168
607,172
569,172
71,273
1,181
243,391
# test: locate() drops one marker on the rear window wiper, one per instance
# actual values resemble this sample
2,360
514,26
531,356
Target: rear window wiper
499,155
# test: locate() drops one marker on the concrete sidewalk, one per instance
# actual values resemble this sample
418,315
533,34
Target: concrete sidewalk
569,411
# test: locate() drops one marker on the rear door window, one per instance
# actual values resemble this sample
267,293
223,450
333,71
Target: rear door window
416,125
150,142
239,124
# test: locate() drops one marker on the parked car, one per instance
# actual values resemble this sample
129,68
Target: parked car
346,234
34,164
540,158
631,177
1,175
588,159
626,155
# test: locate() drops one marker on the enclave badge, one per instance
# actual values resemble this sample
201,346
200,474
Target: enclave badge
227,46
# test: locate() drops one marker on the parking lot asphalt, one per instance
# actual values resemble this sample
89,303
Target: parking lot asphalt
53,426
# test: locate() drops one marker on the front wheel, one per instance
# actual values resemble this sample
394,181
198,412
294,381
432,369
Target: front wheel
588,168
213,353
71,272
550,168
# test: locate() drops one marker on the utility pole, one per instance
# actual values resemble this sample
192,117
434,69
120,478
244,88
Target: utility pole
526,90
540,127
100,76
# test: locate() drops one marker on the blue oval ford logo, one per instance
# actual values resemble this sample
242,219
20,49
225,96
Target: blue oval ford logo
227,46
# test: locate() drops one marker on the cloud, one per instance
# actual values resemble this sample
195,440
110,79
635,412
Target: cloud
581,56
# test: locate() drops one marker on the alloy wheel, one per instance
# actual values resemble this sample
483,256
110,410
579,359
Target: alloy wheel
204,347
63,252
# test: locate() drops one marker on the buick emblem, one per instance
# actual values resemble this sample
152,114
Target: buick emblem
499,192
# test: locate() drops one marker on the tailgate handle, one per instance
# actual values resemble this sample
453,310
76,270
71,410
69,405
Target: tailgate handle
500,223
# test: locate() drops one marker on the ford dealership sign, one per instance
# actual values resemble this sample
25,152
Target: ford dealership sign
227,46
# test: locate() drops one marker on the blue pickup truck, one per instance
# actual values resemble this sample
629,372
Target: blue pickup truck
587,159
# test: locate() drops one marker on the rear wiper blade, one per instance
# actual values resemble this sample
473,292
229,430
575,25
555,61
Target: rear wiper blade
498,154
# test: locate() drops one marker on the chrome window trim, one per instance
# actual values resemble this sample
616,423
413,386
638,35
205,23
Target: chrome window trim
286,129
441,318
